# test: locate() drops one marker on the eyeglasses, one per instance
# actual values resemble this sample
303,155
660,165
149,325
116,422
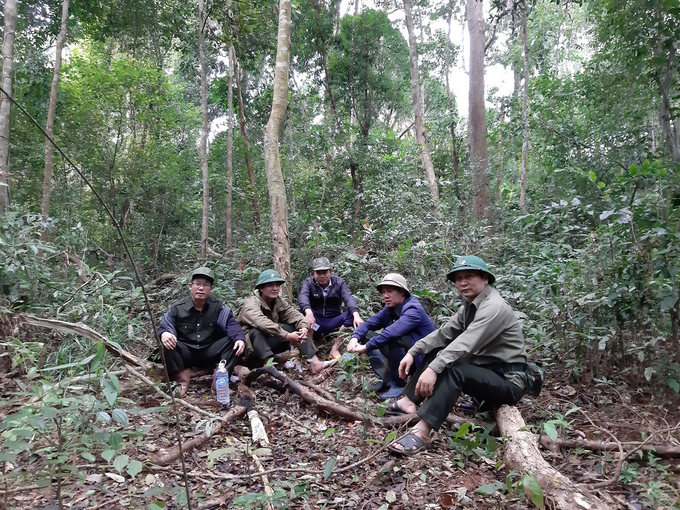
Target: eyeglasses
200,285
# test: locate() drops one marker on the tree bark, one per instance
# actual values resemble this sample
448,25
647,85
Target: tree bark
204,128
246,143
452,119
522,455
418,109
49,125
525,111
277,190
5,105
230,150
324,59
479,159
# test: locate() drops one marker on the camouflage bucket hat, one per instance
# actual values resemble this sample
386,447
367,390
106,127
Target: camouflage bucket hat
205,272
321,264
470,263
269,276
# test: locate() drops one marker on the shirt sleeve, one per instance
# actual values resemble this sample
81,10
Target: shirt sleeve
378,321
410,318
228,323
488,323
347,297
303,298
168,323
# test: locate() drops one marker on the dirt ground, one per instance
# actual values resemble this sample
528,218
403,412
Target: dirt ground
460,470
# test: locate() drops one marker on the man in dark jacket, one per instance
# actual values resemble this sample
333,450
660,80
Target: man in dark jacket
199,331
403,321
321,298
479,352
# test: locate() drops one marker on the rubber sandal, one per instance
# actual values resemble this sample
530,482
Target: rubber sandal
411,443
393,409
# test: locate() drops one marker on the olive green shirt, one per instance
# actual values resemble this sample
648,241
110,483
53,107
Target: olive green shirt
494,336
255,313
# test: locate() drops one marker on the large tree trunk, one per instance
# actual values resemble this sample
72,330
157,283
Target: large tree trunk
51,109
452,119
246,143
418,109
277,189
230,149
5,104
204,128
525,111
324,58
479,159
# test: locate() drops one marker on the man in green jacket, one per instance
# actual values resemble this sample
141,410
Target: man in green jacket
273,326
479,352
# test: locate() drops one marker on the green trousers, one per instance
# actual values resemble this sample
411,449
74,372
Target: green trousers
484,385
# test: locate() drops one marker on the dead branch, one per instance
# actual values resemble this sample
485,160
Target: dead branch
318,389
663,451
83,330
213,253
163,279
310,397
522,454
257,429
265,480
79,264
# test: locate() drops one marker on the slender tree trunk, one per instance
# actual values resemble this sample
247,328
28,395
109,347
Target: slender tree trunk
479,159
246,143
230,149
418,109
525,112
501,166
324,58
272,131
49,126
204,129
5,105
452,119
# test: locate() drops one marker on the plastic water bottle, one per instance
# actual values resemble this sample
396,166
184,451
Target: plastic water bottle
222,383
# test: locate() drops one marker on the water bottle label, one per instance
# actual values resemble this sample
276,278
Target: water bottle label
221,381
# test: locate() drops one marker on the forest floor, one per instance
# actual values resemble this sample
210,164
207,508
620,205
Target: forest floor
464,468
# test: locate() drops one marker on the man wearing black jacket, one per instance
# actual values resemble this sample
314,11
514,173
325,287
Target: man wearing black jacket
321,298
199,331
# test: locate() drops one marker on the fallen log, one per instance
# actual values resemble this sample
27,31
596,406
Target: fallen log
522,455
310,397
79,264
664,451
163,279
83,330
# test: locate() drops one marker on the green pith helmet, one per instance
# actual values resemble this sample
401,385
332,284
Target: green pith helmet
205,272
394,280
470,263
321,264
268,276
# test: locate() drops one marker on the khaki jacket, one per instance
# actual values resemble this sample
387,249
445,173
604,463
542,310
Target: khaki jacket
256,314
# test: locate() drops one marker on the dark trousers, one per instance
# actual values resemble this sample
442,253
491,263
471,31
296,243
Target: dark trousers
184,356
392,353
265,346
329,325
483,384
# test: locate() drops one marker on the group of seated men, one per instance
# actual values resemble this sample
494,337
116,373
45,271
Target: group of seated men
480,351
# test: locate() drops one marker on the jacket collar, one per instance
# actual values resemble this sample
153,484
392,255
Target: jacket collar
263,303
481,297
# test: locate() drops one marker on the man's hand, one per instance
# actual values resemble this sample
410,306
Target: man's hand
239,347
405,365
295,338
309,317
358,321
355,346
169,340
426,383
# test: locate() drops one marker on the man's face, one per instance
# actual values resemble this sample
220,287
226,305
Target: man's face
322,277
200,289
270,290
392,296
471,283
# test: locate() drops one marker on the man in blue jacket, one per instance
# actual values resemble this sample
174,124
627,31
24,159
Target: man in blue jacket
199,331
403,321
321,298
